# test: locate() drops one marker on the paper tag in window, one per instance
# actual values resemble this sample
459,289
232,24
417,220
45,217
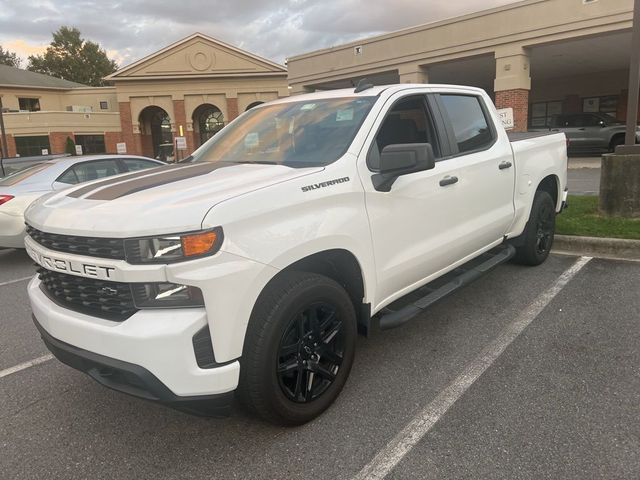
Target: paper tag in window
308,106
345,115
252,140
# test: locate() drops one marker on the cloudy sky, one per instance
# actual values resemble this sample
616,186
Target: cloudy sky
275,29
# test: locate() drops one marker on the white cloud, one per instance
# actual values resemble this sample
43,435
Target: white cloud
131,29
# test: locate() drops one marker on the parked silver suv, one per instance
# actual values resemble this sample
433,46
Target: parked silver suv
591,132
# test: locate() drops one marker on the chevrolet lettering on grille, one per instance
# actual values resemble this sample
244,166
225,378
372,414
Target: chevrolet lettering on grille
57,264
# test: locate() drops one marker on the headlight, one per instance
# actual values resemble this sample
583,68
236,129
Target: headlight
173,248
166,295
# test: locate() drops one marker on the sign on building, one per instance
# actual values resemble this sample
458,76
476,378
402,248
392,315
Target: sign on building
181,143
45,151
78,149
121,148
506,117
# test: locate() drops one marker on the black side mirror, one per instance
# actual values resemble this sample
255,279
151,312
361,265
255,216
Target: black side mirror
402,159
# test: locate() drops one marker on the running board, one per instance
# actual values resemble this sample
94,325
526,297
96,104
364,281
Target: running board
444,286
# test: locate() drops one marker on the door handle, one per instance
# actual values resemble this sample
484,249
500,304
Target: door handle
448,181
505,165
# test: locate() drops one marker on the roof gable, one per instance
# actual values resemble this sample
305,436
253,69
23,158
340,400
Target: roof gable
198,55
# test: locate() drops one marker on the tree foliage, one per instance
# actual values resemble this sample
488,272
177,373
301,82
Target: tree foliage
9,58
73,58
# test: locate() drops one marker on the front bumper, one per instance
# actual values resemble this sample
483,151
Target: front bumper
158,341
133,379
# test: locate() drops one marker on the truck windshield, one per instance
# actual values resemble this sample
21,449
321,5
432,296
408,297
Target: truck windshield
295,134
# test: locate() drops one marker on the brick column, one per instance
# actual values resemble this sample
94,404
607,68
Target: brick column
517,99
232,109
58,141
512,83
181,120
110,141
128,136
11,146
572,104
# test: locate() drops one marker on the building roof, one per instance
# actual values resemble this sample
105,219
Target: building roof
16,77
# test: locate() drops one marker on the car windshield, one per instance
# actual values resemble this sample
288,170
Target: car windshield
295,134
22,175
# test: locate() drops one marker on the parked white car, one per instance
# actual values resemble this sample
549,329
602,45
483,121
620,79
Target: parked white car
18,190
302,222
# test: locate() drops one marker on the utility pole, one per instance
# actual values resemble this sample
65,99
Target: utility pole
4,151
634,83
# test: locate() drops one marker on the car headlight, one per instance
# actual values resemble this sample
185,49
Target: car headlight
173,248
166,295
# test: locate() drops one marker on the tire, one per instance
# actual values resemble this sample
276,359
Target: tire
615,141
288,378
535,243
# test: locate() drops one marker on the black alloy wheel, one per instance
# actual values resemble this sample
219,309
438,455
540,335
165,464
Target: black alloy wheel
545,228
310,353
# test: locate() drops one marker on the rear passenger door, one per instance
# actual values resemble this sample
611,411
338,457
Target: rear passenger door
486,173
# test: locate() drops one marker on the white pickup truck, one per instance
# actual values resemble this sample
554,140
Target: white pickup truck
251,268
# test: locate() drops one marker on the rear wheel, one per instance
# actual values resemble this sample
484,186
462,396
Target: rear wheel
536,241
617,140
299,348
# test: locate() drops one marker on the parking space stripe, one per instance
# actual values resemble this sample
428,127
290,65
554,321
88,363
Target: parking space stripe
17,280
391,455
25,365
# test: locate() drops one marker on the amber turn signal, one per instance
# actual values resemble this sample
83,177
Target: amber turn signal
198,244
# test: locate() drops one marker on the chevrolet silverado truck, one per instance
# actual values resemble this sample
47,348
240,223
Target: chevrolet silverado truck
248,270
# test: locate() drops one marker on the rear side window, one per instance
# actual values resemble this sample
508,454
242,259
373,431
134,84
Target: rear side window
134,164
85,172
468,121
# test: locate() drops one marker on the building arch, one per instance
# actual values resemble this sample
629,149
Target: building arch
207,121
254,104
155,133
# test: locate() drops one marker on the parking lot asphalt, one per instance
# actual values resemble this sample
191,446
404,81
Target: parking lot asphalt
561,401
583,176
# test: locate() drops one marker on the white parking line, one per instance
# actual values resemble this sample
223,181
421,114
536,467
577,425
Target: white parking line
25,365
419,426
17,280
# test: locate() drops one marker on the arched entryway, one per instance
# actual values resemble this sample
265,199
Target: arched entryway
155,132
207,121
254,104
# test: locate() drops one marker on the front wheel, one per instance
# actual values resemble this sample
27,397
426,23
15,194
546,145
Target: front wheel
537,238
299,348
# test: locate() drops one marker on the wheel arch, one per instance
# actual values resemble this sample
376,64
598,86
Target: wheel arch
343,267
551,185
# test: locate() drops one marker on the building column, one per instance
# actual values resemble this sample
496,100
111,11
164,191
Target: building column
181,121
11,146
58,141
413,73
130,137
513,83
111,140
572,104
232,109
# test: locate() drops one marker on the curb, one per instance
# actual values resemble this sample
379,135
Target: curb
597,247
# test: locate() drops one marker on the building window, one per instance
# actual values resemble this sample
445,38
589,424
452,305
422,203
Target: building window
541,113
104,105
91,143
605,104
29,104
32,146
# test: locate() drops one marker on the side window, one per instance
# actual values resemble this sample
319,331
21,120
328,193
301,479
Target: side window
134,164
69,177
93,170
407,122
468,121
592,121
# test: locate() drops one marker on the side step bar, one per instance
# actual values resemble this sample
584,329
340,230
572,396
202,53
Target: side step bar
459,277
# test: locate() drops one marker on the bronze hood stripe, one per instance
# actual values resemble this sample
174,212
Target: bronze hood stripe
121,178
143,183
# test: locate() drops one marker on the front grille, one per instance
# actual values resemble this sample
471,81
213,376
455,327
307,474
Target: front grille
90,246
99,298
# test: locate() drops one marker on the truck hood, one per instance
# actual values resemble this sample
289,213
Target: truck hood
171,199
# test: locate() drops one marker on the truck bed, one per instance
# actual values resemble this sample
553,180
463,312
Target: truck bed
519,136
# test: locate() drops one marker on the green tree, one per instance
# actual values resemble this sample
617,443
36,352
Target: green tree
70,146
9,58
73,58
